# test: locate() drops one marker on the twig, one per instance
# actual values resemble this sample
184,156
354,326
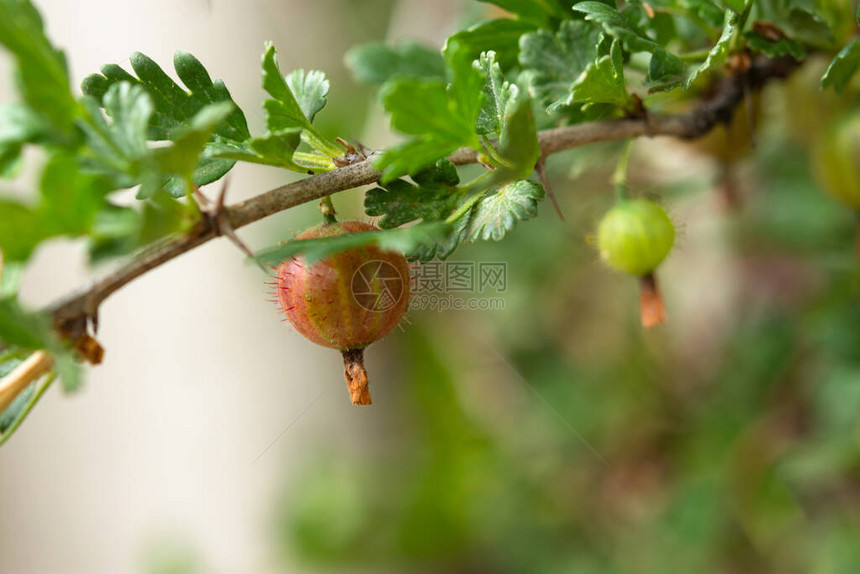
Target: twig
84,303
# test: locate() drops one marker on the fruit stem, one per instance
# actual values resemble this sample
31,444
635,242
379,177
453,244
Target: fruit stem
619,178
650,302
356,376
327,209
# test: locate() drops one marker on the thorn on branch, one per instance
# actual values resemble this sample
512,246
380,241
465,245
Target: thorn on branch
540,167
216,217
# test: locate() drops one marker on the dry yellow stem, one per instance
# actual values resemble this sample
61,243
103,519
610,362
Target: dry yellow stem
36,365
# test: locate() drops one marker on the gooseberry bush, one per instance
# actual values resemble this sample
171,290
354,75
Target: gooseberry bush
534,79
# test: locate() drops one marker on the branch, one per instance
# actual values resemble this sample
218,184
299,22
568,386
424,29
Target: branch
83,305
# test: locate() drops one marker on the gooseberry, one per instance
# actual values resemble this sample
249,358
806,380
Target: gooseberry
635,236
345,301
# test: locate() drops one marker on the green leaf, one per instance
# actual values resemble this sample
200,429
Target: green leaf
274,148
120,230
121,151
501,36
69,201
70,197
616,25
174,108
21,231
432,199
774,49
19,125
440,117
799,20
12,417
842,68
665,72
424,108
538,12
719,52
806,24
401,202
310,89
203,92
518,144
42,72
208,169
114,233
738,6
11,273
441,247
466,85
16,407
10,359
497,92
666,69
402,240
412,156
68,369
497,214
573,66
489,216
30,330
22,328
182,159
10,160
377,63
443,172
602,82
554,61
508,113
283,111
117,147
703,11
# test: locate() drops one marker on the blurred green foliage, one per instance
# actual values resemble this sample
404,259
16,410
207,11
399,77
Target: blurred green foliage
555,436
738,454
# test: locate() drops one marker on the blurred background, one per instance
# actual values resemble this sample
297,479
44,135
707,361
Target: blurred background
550,436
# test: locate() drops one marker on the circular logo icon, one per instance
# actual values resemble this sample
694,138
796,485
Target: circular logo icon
377,286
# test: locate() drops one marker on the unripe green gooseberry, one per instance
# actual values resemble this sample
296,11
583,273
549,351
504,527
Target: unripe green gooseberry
635,236
836,159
